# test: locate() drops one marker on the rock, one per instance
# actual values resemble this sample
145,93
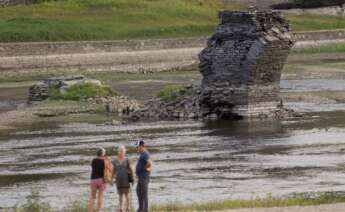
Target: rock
120,104
38,92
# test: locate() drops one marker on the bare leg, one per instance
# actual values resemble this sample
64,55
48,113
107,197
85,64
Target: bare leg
92,200
121,202
129,201
100,200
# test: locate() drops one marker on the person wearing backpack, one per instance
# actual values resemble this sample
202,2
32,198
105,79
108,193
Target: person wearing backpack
123,173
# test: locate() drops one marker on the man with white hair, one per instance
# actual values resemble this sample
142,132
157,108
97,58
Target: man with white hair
123,174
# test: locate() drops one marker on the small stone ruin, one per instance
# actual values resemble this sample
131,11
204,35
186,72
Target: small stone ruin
120,105
39,91
241,68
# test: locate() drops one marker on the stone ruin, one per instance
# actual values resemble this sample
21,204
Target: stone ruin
39,91
241,68
242,63
121,105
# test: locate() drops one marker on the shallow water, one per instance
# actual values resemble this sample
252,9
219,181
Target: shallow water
193,161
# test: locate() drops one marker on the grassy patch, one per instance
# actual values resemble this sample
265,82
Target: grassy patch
83,91
109,19
70,20
301,200
314,22
170,92
325,48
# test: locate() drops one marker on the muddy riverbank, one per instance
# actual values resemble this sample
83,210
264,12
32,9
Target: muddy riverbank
231,160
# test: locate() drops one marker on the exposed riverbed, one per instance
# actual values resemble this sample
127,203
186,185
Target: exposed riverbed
193,161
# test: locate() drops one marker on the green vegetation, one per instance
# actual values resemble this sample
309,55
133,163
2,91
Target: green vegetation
69,20
109,19
79,92
301,200
170,92
325,48
35,204
315,22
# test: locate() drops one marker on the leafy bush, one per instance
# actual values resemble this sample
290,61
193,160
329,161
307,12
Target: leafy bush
83,91
171,92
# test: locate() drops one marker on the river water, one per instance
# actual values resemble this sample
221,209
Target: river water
193,161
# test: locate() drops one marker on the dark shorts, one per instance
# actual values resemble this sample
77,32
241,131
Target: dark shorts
123,191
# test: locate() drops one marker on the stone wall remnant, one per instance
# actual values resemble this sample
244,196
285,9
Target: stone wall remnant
242,63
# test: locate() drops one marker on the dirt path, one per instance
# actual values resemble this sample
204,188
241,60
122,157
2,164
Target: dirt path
314,208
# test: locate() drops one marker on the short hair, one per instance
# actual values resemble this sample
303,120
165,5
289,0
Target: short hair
141,143
101,152
121,148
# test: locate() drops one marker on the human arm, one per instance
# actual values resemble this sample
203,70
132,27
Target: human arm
148,165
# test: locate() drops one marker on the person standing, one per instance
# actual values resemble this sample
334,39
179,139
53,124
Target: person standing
124,177
97,184
143,170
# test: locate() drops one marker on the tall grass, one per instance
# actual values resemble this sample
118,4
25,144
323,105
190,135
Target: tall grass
68,20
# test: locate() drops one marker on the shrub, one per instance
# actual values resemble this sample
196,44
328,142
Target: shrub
83,91
171,92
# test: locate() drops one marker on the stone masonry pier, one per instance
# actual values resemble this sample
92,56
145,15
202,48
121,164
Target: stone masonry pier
241,70
242,63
